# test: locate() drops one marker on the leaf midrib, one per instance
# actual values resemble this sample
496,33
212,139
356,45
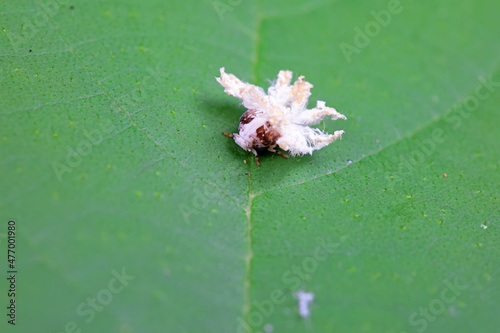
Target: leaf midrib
251,195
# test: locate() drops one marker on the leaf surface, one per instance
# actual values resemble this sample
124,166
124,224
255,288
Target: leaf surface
134,214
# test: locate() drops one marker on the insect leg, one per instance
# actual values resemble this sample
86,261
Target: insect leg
256,157
282,154
271,149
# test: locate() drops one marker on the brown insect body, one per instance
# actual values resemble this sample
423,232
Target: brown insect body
265,135
255,132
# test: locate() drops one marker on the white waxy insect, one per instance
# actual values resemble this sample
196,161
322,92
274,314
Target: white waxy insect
305,299
280,117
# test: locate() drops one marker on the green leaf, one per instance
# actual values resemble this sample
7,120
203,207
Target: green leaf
134,214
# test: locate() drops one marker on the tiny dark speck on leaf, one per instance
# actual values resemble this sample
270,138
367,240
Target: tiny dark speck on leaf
30,50
71,7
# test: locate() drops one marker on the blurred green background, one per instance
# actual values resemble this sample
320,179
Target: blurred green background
134,213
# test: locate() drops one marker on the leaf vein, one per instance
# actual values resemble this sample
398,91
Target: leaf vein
134,123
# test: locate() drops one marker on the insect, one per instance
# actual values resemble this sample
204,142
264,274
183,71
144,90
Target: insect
279,118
